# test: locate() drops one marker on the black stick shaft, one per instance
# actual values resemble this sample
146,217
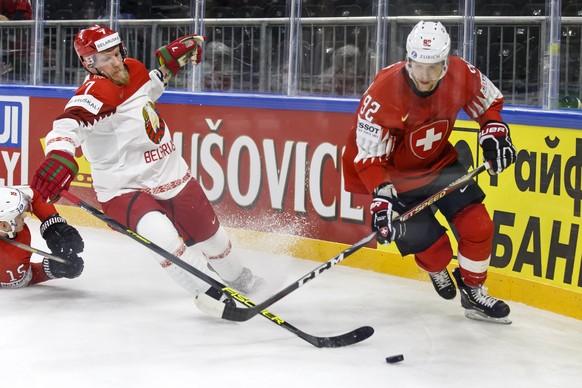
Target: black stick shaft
233,313
349,338
34,250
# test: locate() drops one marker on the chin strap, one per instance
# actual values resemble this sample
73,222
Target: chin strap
12,232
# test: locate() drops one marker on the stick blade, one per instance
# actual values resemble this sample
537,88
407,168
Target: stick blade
353,337
237,314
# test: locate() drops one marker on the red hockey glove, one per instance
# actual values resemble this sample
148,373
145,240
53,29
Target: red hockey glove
55,174
384,209
179,52
497,146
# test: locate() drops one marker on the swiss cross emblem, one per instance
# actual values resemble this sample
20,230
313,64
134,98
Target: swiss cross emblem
429,138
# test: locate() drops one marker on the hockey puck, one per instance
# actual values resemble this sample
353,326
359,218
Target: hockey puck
395,359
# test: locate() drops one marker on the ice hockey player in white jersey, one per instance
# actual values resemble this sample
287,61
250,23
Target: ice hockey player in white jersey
140,179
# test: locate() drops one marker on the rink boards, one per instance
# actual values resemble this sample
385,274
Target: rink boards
272,167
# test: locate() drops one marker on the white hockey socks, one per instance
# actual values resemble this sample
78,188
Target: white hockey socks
156,227
218,252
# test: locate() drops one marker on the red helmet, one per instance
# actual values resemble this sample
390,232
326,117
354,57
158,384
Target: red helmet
95,39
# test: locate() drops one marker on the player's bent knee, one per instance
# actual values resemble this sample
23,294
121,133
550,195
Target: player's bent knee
474,223
158,228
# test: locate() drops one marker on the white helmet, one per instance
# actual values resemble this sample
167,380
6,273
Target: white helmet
13,203
428,42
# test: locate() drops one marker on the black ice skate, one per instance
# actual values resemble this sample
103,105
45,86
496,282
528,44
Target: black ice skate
443,284
479,305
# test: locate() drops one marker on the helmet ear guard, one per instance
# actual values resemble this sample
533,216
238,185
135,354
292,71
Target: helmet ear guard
88,62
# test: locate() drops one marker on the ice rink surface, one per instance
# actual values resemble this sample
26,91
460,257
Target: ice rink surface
125,323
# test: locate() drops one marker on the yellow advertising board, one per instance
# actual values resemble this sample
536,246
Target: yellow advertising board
536,208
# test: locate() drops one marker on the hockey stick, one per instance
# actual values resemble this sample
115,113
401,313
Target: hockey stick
34,250
451,187
349,338
233,313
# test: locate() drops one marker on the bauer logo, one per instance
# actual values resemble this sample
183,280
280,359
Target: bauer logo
13,140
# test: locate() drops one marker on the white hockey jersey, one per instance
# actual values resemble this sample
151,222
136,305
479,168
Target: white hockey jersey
122,135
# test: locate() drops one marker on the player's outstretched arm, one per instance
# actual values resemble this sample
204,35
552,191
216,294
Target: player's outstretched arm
175,55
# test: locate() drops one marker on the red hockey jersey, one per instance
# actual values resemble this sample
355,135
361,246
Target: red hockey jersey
16,270
402,136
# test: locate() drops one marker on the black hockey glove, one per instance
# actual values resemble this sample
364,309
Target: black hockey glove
497,146
384,209
61,238
55,269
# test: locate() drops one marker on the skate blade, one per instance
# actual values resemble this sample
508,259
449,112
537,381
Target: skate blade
479,316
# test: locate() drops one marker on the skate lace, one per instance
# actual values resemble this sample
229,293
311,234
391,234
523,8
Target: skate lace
441,279
480,295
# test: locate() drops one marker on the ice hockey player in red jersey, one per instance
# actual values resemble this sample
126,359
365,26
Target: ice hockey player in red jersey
140,178
16,269
399,152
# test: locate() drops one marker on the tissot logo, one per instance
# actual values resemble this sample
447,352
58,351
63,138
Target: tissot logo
368,127
368,130
13,140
